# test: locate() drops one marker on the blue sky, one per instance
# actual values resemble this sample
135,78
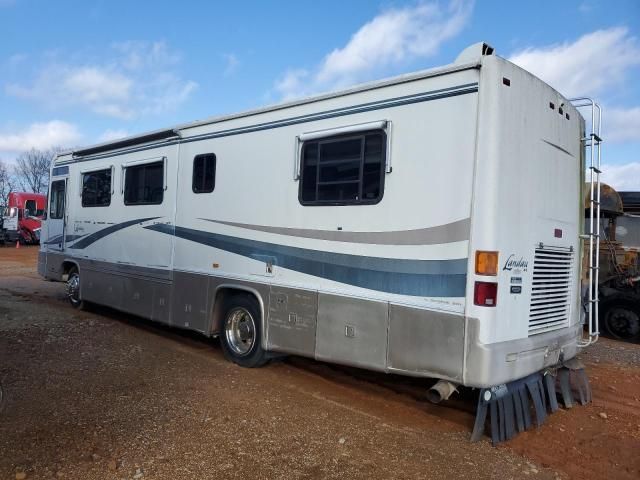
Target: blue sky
76,73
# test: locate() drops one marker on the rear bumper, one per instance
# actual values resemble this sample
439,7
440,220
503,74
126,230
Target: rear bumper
487,365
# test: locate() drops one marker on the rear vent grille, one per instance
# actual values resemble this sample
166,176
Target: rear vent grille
550,293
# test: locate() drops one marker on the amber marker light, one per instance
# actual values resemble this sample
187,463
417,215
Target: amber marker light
486,263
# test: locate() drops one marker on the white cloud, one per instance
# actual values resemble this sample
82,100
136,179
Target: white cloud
585,7
622,177
109,135
621,124
142,55
592,64
137,80
55,133
232,63
292,83
390,39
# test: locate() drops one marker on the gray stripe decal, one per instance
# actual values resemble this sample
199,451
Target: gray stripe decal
58,239
94,237
427,278
450,232
365,107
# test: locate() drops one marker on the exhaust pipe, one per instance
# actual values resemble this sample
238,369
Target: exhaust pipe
442,390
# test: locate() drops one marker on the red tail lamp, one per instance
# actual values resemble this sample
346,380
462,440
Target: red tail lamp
485,294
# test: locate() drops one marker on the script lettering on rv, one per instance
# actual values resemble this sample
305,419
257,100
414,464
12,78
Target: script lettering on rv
514,263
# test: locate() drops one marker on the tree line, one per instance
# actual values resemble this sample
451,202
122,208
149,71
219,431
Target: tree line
30,173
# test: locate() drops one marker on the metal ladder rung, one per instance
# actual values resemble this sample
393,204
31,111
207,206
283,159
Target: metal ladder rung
595,169
596,137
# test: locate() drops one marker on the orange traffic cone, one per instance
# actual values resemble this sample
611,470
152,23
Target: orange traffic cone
17,243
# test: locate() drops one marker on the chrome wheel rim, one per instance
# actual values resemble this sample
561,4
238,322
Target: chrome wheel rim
240,331
73,288
623,323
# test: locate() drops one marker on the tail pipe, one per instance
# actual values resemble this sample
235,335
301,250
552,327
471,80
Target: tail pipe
442,390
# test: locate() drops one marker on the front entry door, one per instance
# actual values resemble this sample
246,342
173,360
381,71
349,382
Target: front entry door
56,221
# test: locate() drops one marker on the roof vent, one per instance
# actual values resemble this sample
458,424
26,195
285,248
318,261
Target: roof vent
474,52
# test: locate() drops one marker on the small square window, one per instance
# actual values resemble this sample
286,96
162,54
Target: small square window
204,173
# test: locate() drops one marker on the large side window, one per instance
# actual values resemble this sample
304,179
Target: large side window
56,203
343,170
144,184
204,173
96,188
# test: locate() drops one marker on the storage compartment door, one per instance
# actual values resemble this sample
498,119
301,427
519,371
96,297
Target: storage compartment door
352,331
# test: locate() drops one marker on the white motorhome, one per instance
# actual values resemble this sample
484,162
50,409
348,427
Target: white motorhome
426,225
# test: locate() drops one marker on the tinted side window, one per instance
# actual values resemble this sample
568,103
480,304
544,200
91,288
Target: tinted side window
204,173
30,208
144,184
96,188
56,204
343,170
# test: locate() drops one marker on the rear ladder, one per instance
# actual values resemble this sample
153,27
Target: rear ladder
592,145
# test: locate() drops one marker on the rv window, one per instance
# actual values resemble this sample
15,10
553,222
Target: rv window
56,207
204,173
96,188
144,184
343,170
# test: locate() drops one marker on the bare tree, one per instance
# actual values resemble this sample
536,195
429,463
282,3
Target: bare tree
7,183
32,169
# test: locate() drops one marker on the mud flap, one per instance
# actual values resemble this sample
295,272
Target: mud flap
515,406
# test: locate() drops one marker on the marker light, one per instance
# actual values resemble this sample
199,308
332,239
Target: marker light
485,294
486,263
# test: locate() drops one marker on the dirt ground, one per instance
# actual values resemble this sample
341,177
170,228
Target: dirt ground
106,395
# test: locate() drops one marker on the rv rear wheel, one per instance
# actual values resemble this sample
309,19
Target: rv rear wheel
242,332
73,289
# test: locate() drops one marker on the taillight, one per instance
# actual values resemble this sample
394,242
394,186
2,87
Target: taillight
486,263
485,294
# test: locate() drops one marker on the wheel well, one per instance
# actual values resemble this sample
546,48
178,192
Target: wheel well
223,294
67,266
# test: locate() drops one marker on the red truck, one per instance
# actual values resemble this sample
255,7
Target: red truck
22,217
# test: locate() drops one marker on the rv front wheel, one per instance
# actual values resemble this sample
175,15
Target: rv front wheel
242,332
73,289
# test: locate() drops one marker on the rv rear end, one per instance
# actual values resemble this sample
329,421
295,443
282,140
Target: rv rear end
523,306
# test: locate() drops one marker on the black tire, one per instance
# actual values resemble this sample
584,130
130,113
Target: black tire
620,318
74,290
241,332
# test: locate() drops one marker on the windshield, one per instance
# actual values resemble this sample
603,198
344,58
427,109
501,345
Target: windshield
628,230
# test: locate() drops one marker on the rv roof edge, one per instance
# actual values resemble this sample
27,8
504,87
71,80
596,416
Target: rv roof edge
473,53
469,58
